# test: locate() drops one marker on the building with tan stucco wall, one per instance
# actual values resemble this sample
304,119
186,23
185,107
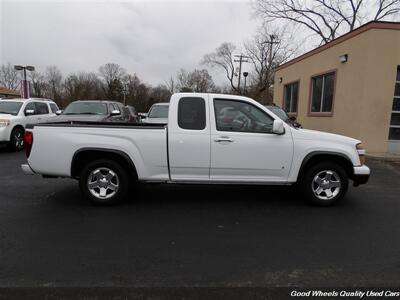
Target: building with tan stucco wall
349,86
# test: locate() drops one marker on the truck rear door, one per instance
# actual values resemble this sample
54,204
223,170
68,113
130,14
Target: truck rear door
189,138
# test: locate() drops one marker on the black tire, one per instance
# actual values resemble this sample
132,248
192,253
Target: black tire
97,173
17,139
311,185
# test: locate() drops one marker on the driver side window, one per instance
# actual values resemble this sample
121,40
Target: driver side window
238,116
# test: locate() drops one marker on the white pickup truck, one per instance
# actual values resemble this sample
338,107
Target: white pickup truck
210,138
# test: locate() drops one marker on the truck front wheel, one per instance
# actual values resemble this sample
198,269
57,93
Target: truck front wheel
17,139
325,183
104,182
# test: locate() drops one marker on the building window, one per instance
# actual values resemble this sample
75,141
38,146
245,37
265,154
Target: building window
394,129
322,92
291,94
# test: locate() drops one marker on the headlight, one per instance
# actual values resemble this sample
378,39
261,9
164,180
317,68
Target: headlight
361,153
4,123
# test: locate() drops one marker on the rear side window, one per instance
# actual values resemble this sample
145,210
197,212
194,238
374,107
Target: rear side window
53,108
192,113
31,106
121,108
112,107
41,108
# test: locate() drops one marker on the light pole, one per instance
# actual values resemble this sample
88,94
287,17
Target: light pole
245,74
271,43
124,90
24,68
241,59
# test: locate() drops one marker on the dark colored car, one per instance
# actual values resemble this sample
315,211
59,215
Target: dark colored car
133,115
93,110
291,120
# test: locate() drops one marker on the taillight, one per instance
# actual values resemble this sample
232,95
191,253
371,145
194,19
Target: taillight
28,139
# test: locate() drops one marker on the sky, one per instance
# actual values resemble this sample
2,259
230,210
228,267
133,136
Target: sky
154,39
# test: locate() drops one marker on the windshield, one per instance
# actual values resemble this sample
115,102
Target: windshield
279,112
10,107
158,111
86,108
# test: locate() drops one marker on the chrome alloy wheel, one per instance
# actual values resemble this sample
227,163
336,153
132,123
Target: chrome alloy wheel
103,183
18,140
326,185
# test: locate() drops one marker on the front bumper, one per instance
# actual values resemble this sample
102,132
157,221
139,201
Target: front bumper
27,169
361,175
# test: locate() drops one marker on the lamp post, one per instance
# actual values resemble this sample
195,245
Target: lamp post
241,59
245,74
273,41
124,90
24,68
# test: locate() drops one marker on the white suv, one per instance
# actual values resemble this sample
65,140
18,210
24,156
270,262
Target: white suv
15,114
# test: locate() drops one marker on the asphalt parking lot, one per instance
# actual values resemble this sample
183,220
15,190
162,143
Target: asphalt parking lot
194,236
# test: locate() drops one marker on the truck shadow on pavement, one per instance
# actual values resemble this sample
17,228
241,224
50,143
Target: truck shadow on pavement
174,196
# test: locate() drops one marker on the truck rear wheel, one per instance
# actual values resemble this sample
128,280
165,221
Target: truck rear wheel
325,183
104,182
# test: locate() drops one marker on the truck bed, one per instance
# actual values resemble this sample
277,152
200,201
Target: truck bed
58,142
99,124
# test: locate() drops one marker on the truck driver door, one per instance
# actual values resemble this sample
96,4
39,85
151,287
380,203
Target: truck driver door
243,147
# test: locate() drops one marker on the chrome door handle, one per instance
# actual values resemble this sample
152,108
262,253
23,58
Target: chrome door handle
223,139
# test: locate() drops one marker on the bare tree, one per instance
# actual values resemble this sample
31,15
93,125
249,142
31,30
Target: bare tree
266,51
82,85
38,83
54,83
171,85
327,18
183,81
198,81
159,93
113,75
137,93
202,81
9,77
223,58
386,8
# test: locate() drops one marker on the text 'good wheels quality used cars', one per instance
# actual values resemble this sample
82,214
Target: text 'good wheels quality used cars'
210,138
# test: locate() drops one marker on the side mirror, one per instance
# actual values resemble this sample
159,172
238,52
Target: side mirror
29,112
59,112
115,112
278,127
